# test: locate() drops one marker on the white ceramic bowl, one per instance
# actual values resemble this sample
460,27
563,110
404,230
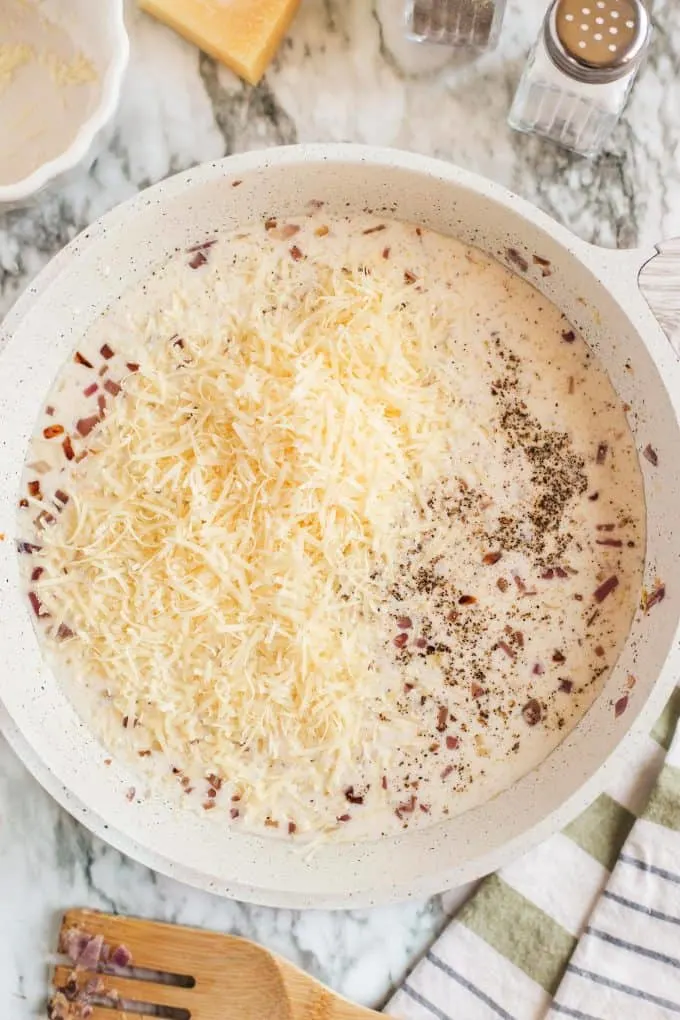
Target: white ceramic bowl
50,125
597,290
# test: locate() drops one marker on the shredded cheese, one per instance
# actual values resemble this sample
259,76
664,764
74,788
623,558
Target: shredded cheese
229,539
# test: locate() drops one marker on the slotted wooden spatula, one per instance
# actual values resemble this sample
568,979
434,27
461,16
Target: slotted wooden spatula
230,978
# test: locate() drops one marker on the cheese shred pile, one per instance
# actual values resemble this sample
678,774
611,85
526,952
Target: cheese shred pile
231,535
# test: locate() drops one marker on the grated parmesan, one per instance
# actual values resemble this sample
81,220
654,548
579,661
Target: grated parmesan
230,538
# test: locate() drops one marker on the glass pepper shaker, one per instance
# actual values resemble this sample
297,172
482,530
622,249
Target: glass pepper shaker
581,70
464,24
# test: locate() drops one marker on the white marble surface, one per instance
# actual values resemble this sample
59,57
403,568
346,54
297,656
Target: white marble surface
344,74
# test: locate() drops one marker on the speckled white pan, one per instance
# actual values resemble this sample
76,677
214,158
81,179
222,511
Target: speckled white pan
597,290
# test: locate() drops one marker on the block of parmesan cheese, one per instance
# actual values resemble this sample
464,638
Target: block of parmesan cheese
243,34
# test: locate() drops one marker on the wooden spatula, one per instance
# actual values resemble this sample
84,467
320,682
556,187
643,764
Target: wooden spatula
222,977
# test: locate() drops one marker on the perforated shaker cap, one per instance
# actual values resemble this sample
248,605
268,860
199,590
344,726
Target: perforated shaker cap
597,41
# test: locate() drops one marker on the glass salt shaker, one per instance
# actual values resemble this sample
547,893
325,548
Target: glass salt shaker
581,70
464,24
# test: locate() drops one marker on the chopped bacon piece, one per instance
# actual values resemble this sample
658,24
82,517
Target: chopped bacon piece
292,828
106,352
502,584
61,496
409,277
548,574
67,447
400,640
404,622
467,600
568,336
53,430
34,489
296,254
476,690
447,771
197,261
538,669
89,390
606,588
613,543
452,743
442,718
352,797
559,657
85,425
566,686
519,582
64,632
37,606
112,387
132,366
80,360
491,558
505,647
343,818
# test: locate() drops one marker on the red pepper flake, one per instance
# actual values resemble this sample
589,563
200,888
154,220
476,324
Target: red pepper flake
89,390
64,632
353,797
197,261
106,352
108,761
80,360
606,588
519,582
212,793
130,795
37,606
37,573
566,686
491,558
409,277
383,782
404,622
620,706
532,712
292,828
568,336
559,657
23,503
502,584
476,691
236,184
445,773
61,496
343,818
49,410
658,595
467,600
594,496
214,780
132,366
400,640
112,387
517,259
374,230
601,455
202,246
538,669
650,454
442,718
425,808
408,688
386,253
34,489
144,754
452,743
234,812
296,254
85,425
599,651
572,386
613,543
53,430
67,447
505,647
271,223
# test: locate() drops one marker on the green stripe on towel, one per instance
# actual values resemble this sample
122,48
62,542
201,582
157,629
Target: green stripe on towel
520,931
602,829
664,804
668,720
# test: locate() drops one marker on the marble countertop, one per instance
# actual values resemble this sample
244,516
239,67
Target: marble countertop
344,74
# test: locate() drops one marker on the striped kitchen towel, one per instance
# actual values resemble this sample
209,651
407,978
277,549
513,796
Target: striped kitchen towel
587,925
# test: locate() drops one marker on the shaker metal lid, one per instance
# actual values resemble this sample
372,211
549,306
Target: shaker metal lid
597,41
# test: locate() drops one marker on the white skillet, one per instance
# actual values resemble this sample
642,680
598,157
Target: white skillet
598,291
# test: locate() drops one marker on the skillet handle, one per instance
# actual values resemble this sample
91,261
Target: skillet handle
659,282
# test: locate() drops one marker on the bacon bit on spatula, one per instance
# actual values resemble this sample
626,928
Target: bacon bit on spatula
606,588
